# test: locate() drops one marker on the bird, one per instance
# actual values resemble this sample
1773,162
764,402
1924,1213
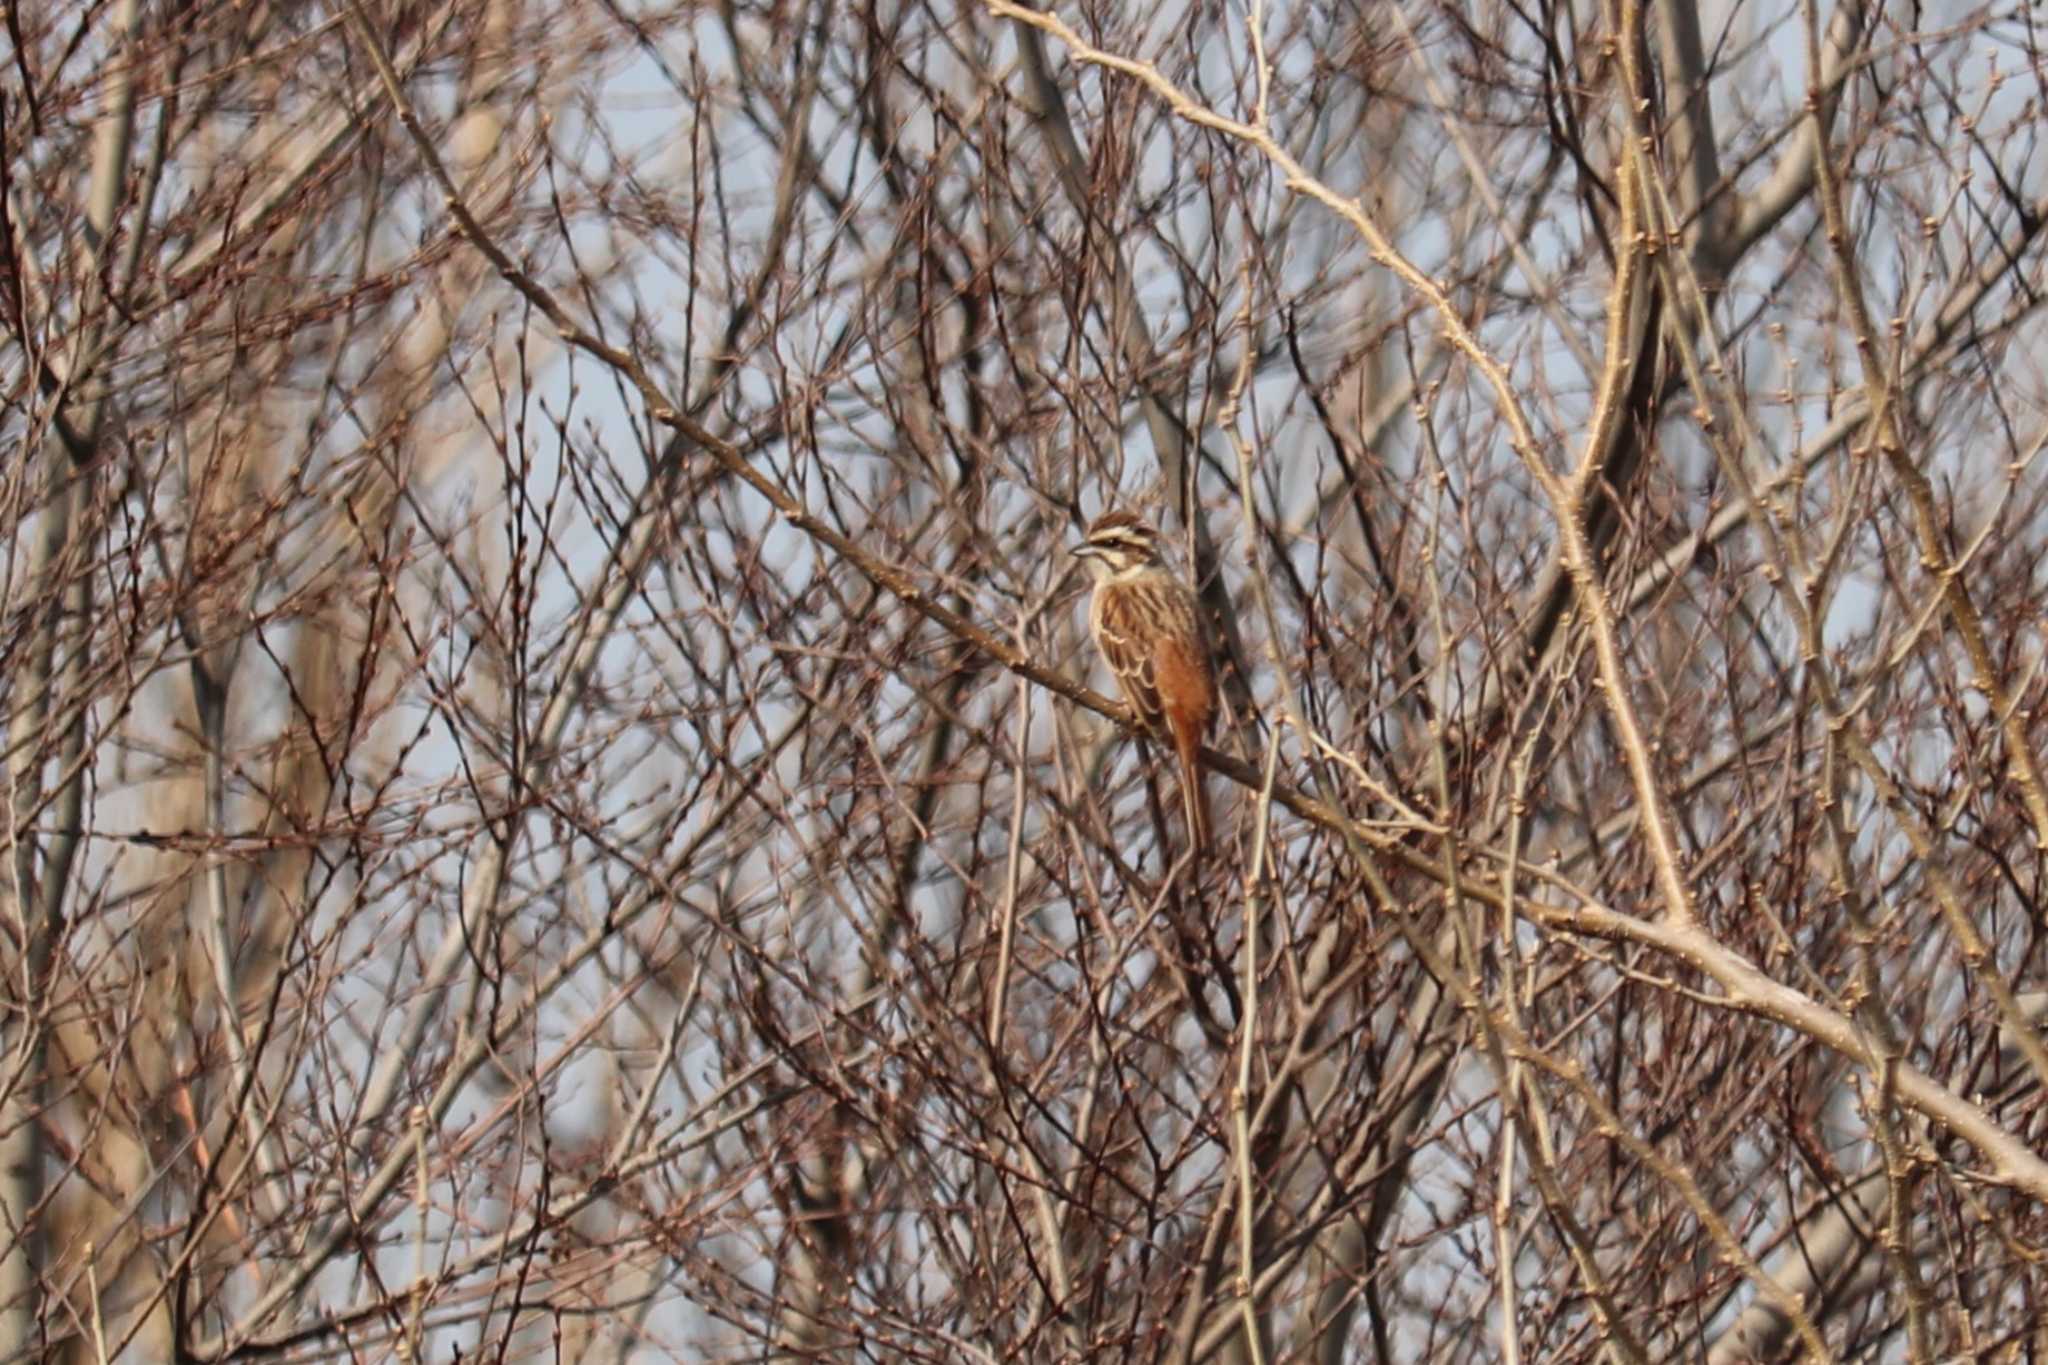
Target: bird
1148,628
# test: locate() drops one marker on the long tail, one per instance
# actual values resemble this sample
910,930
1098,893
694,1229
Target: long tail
1194,793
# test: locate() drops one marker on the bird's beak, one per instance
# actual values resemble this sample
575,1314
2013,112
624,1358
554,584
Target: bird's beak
1084,551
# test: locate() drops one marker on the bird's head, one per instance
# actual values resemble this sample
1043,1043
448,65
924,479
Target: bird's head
1118,543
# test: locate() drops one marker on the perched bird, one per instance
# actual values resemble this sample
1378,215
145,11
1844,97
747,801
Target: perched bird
1148,626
